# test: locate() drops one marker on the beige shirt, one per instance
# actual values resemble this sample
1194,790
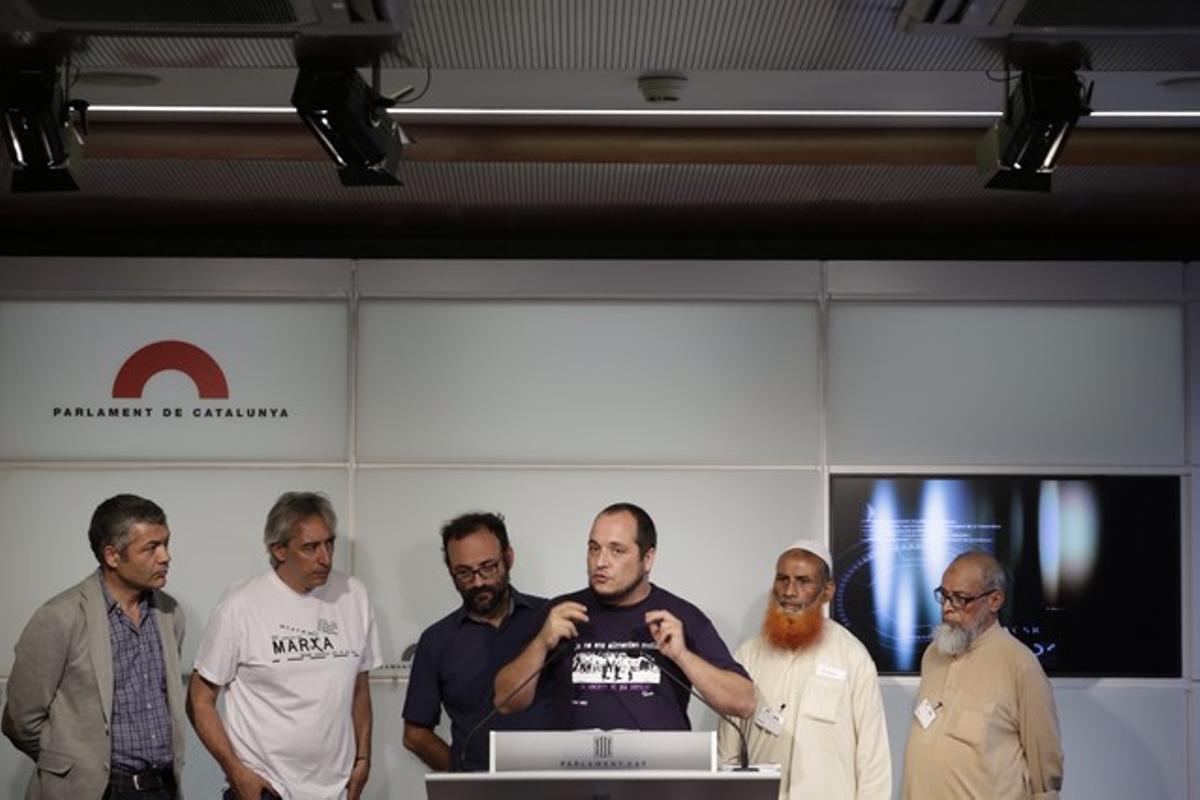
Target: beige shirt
995,736
834,741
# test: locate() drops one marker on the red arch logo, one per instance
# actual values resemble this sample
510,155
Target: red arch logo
166,355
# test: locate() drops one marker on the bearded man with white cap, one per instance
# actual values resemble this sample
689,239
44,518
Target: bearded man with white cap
820,713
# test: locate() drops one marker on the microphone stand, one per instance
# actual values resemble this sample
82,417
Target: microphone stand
743,746
555,654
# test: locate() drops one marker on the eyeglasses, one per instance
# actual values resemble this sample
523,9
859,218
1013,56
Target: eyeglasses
463,576
958,601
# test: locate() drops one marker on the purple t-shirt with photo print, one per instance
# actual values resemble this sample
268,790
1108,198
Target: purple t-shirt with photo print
610,677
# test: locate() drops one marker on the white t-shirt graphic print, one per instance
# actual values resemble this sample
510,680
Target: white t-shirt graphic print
620,665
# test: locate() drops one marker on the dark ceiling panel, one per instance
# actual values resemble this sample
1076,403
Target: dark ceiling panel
1159,54
1120,14
188,12
301,193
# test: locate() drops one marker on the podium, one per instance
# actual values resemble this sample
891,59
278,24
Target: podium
603,765
603,785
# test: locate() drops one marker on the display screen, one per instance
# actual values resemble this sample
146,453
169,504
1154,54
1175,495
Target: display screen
1093,564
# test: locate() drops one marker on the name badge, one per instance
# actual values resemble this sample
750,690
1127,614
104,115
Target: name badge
826,671
926,713
769,721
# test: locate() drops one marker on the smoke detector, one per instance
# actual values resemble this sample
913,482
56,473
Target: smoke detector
661,88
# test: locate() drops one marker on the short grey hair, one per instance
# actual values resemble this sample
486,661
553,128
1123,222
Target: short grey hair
289,511
994,576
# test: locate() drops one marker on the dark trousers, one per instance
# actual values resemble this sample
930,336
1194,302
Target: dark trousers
161,794
265,795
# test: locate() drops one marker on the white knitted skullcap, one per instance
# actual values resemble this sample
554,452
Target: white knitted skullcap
815,547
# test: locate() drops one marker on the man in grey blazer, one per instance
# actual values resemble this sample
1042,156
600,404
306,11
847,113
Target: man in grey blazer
96,696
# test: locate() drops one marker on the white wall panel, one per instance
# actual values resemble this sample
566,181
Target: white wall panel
216,519
173,277
665,279
202,776
1013,280
1124,742
719,535
285,361
1193,366
979,384
395,772
899,699
1194,739
577,382
1190,588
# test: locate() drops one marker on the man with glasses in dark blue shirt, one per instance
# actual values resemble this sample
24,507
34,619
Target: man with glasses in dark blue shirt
457,657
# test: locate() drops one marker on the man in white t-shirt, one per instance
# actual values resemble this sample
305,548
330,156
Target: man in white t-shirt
292,647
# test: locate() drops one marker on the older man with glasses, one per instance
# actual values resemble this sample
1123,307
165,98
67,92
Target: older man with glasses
984,725
457,657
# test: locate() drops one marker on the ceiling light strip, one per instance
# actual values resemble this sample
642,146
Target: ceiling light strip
1146,114
101,108
676,113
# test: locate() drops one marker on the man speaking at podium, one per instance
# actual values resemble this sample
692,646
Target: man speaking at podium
604,649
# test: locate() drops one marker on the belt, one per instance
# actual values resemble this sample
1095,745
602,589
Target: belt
154,780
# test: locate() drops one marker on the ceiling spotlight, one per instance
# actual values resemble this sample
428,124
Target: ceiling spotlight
118,80
662,88
1023,147
38,128
350,120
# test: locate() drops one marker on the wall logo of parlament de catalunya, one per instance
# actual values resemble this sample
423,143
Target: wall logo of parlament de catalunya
185,357
132,376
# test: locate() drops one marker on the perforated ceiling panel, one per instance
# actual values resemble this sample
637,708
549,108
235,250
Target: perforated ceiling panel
613,35
673,34
686,35
147,51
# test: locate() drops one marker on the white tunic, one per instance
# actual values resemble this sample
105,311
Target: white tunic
834,742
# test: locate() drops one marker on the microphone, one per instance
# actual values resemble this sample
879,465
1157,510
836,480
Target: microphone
563,646
743,746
